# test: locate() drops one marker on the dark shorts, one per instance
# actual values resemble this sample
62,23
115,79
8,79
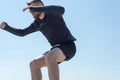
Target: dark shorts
68,48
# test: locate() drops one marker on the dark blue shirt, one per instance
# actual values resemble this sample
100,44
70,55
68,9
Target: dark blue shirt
52,26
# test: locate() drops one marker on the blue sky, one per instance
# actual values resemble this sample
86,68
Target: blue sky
95,24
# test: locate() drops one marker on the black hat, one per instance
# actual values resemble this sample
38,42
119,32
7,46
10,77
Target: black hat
31,1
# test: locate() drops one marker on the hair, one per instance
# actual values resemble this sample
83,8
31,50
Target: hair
35,1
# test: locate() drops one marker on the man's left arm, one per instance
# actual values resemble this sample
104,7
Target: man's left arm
56,10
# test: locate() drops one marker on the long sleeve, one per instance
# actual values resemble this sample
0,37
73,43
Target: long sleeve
56,10
22,32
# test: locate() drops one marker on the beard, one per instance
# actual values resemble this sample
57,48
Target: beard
36,16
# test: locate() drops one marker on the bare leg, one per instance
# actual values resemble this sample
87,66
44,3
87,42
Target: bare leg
36,74
53,70
51,60
35,67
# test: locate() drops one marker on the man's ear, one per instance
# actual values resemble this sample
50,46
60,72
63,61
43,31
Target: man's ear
42,15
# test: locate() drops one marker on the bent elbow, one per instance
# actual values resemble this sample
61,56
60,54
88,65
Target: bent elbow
62,10
21,35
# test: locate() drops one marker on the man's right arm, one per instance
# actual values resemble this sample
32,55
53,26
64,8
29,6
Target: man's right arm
20,32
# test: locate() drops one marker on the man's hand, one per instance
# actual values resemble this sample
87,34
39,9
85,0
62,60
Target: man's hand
3,25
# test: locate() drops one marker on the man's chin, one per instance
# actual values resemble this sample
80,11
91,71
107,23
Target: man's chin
35,17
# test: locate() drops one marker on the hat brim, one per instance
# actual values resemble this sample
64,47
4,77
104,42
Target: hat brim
26,8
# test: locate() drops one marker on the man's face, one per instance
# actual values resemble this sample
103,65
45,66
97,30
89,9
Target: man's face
36,14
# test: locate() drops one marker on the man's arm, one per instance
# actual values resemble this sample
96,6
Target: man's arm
20,32
56,10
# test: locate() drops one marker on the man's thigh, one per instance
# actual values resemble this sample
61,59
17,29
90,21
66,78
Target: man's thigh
57,54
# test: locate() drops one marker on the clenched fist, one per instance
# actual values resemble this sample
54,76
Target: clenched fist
3,25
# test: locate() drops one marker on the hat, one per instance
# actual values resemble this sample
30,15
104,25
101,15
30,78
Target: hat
31,1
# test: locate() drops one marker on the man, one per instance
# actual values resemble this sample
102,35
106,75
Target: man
49,21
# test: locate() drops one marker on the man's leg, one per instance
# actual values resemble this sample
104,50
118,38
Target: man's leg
51,59
35,67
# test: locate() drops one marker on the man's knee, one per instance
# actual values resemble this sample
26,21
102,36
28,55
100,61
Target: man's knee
32,64
37,63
